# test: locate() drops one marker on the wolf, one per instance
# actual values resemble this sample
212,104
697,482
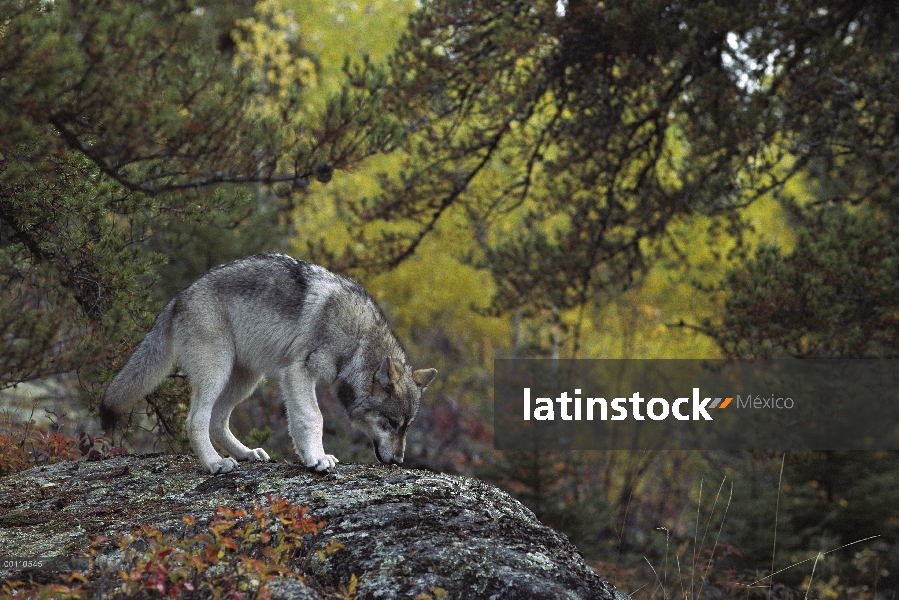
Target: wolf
273,315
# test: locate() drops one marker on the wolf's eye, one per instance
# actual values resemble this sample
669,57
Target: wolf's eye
394,424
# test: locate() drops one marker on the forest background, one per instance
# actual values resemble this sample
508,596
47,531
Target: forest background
648,179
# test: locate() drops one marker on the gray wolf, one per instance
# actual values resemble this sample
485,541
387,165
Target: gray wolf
273,315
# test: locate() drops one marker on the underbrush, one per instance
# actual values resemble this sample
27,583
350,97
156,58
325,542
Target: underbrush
23,446
693,571
237,555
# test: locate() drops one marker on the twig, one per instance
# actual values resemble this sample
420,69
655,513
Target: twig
776,513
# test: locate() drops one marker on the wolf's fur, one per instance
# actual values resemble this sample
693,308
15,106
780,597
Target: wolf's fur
274,315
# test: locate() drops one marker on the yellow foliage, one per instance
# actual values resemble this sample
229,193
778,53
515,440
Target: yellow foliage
335,30
266,45
434,294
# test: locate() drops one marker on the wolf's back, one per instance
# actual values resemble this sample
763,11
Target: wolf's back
150,362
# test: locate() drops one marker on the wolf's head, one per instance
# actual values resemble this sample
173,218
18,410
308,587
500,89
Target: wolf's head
386,409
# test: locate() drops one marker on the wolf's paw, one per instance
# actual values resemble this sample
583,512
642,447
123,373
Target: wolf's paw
257,454
323,463
225,465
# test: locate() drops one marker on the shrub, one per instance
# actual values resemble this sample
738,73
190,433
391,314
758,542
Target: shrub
237,555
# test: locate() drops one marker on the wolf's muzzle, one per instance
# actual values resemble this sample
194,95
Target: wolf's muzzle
392,461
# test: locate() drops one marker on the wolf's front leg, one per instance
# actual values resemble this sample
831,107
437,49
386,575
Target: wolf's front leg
304,418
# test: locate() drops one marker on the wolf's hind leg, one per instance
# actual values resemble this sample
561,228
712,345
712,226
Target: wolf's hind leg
208,379
240,385
304,418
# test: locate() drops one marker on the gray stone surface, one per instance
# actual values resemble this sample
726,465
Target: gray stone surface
405,532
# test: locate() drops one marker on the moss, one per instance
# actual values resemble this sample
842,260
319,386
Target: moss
17,518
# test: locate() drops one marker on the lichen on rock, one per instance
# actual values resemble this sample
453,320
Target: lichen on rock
403,532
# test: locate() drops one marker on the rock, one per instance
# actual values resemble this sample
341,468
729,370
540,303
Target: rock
404,532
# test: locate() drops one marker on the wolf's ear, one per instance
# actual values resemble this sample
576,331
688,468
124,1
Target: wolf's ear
423,377
384,374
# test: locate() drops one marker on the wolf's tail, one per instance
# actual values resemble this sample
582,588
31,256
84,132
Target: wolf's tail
150,362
